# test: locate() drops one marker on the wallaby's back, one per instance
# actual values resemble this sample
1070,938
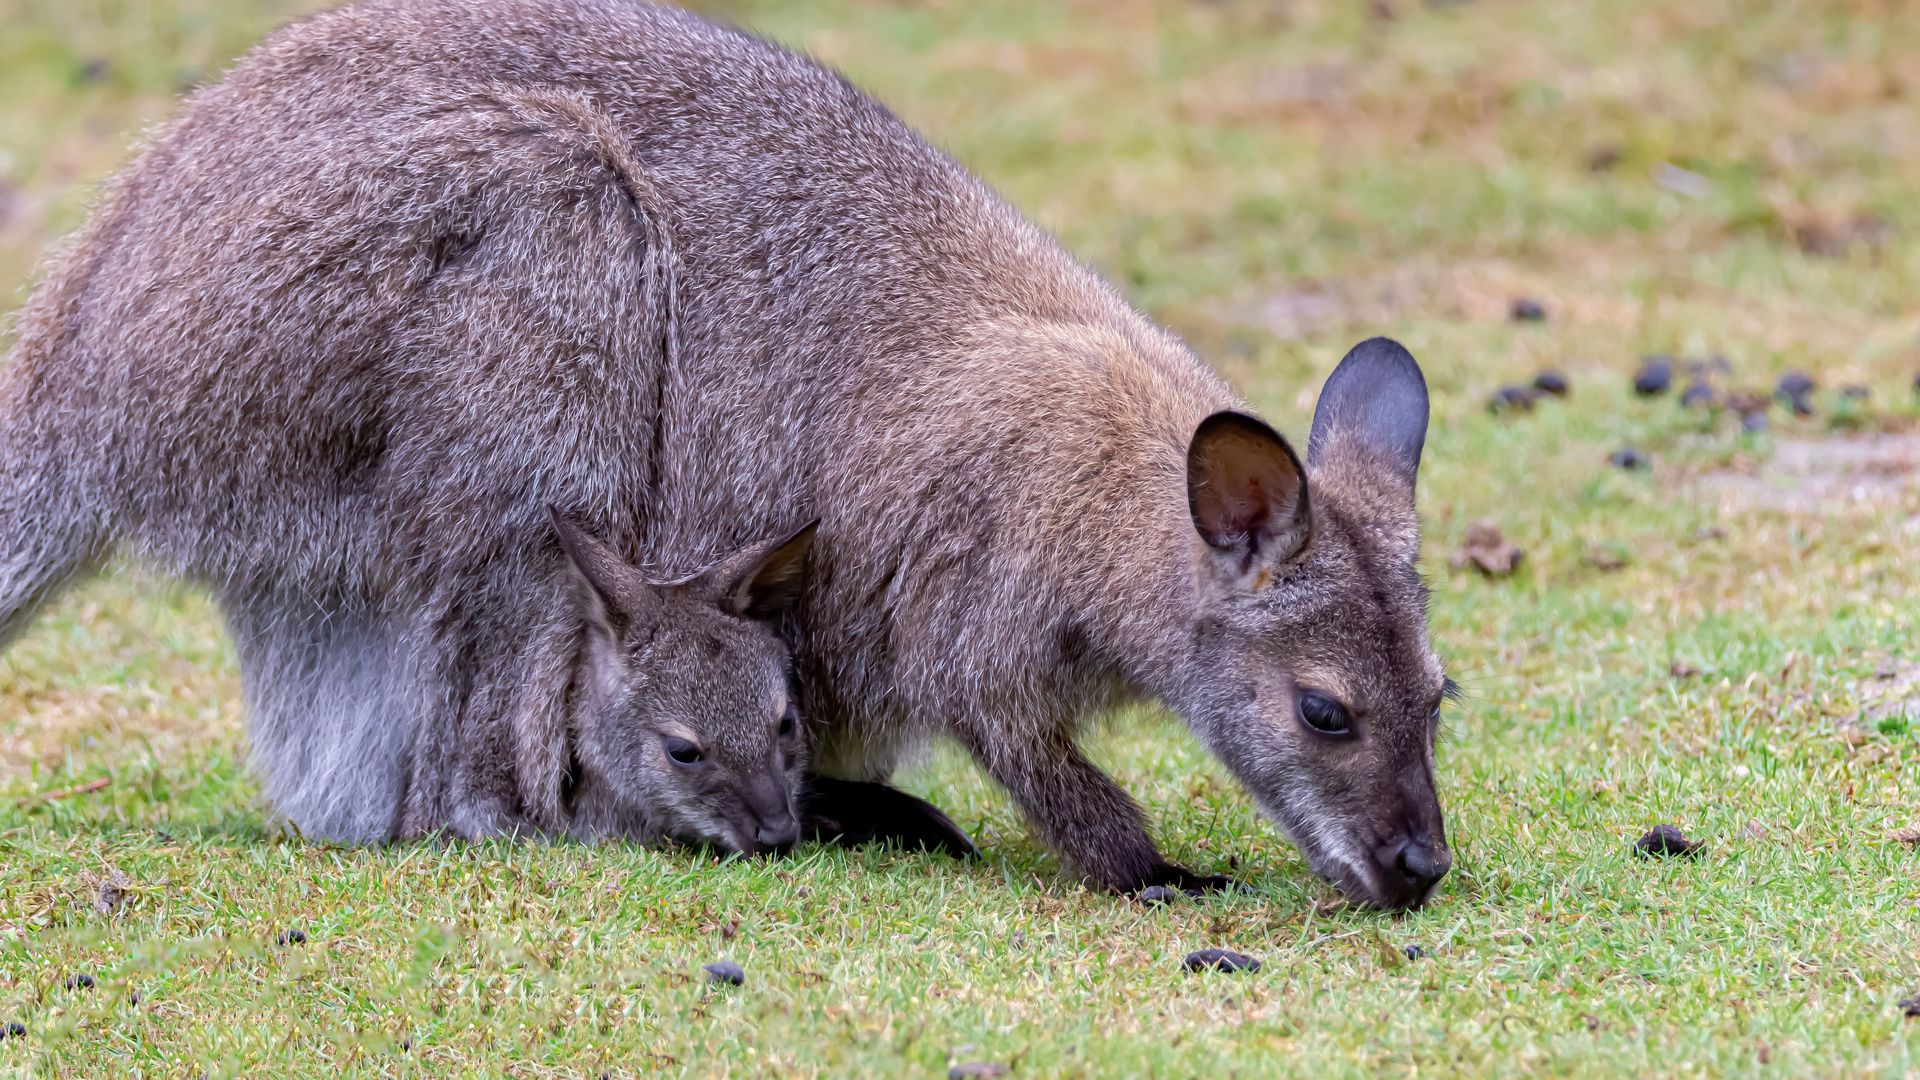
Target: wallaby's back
415,270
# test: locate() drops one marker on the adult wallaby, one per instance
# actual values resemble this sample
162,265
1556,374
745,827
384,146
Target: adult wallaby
418,268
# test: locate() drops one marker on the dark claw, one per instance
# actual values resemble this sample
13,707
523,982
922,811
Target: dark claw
1194,885
852,812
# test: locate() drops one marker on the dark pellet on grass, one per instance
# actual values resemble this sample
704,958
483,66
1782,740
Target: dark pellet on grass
1527,309
1157,894
1856,392
292,937
1628,458
16,1030
80,981
977,1068
1755,422
1512,397
1415,952
725,971
1221,960
1551,382
1909,1008
1666,840
1654,377
1697,396
1793,385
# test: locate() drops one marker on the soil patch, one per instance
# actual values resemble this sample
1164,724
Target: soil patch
1823,476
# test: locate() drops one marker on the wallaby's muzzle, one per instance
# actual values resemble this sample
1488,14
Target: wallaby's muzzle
771,824
1406,871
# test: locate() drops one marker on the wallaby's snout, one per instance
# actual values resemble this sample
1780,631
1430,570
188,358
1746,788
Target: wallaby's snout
774,825
1408,870
1412,855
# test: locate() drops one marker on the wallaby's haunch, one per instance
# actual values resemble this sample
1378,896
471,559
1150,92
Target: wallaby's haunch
418,268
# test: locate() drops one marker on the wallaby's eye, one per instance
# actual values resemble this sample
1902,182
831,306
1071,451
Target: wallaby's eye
1322,713
683,752
786,720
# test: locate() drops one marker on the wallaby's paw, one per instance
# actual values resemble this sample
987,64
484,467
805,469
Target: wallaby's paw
851,813
1171,877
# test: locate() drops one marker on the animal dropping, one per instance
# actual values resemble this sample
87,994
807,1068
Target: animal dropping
1667,840
1654,377
1512,398
725,971
1527,309
1221,960
1551,382
694,290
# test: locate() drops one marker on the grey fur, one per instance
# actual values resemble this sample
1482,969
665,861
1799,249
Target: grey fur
417,268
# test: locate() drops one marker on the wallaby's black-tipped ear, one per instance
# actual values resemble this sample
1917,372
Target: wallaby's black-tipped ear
764,580
1247,493
618,595
1375,402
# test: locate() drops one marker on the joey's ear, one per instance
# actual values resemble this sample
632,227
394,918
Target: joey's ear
616,595
1374,405
1247,494
764,580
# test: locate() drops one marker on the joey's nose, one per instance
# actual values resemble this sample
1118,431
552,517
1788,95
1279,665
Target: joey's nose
769,806
780,834
1420,866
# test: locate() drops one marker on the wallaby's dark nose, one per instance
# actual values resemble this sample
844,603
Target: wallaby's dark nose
1420,866
780,834
770,803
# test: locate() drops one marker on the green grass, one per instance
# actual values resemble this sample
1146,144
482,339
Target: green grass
1275,181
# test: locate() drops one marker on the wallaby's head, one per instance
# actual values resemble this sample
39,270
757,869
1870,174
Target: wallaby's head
684,712
1314,679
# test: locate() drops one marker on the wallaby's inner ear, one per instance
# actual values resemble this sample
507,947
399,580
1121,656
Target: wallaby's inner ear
617,593
1247,493
1373,405
764,580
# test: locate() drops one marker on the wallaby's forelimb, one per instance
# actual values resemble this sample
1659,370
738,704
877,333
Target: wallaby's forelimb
1084,816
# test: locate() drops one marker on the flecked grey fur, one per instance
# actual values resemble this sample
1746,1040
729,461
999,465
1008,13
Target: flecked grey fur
416,269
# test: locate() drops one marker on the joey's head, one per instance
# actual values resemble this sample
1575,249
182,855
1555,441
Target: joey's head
1312,675
684,721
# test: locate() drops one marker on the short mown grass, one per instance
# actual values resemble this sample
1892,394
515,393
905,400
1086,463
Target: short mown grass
1275,181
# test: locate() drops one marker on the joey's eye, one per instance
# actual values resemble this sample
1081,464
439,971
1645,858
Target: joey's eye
683,752
1322,713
